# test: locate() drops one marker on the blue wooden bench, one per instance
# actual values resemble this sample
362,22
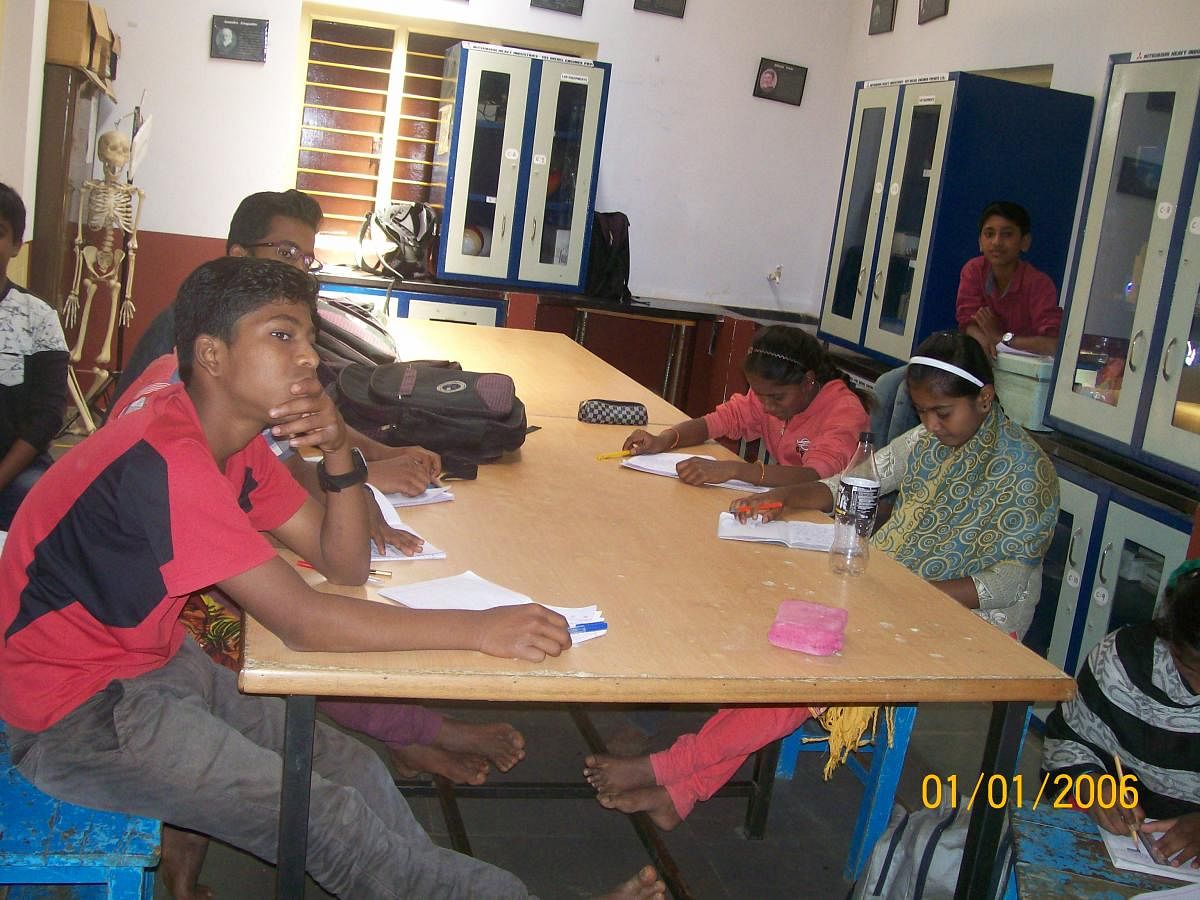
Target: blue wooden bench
44,841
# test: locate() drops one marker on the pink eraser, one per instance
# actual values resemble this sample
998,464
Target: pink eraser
808,627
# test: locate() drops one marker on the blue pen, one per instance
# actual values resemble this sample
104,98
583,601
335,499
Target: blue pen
587,627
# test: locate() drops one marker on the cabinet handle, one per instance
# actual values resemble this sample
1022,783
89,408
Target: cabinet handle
533,232
503,225
1166,374
875,284
861,274
1132,344
1075,532
1103,558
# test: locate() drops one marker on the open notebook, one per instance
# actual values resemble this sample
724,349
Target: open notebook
665,463
1126,854
797,535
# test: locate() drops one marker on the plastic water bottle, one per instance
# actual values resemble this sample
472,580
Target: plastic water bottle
854,510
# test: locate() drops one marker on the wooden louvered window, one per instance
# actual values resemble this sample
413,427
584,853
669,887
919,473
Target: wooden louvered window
365,117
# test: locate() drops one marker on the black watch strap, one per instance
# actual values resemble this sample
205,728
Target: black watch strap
336,483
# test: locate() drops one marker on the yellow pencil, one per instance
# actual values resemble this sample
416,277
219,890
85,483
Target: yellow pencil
1120,781
616,454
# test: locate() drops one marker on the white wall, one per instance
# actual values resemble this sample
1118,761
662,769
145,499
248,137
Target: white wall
21,63
720,186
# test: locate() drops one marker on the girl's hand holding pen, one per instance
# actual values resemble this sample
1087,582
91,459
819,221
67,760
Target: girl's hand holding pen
641,441
768,506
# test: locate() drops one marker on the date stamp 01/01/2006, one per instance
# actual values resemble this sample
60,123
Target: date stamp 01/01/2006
1061,791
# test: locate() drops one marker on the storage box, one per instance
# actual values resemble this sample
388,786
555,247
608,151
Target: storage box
78,35
1023,384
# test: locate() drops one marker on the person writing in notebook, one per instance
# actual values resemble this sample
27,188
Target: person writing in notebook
799,404
1139,702
977,502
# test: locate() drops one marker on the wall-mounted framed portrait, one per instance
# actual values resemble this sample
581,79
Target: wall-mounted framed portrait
883,16
662,7
573,7
928,10
236,37
780,81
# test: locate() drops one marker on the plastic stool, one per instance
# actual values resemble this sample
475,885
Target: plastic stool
46,841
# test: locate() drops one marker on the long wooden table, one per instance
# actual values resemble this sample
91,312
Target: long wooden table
552,373
688,613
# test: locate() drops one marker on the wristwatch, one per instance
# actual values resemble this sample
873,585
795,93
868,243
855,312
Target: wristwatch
1006,337
335,483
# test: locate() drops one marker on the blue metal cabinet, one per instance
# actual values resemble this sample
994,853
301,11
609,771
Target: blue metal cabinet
514,169
1128,375
923,158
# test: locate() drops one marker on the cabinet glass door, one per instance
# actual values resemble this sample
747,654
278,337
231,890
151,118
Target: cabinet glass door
1062,573
1126,236
1173,429
483,183
563,152
863,193
1137,554
912,194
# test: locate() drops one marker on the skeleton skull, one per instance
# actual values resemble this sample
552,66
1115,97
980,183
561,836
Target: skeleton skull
113,150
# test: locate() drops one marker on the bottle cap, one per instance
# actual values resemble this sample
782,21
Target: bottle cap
866,437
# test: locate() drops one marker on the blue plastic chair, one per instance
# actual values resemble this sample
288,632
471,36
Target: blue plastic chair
879,780
44,841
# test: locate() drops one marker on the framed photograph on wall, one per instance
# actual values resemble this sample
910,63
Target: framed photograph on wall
883,16
780,81
236,37
574,7
662,7
928,10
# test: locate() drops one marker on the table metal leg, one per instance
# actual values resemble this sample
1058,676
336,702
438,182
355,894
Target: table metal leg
762,782
298,727
979,872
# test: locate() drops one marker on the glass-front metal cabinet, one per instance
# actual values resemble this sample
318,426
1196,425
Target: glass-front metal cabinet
518,150
1130,341
924,156
1106,567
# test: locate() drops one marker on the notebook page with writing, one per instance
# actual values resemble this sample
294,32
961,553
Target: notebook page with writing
797,535
665,463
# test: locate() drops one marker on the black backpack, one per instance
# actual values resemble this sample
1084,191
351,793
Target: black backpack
410,227
467,417
608,258
348,334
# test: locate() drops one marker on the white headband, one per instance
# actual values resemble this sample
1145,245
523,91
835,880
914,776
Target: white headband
946,367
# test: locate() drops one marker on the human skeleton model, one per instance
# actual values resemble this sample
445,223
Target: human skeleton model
112,208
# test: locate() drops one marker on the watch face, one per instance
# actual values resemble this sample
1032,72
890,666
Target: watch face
1008,336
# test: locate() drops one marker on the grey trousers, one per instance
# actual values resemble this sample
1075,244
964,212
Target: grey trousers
181,744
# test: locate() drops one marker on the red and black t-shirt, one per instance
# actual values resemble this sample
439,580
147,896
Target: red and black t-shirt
109,544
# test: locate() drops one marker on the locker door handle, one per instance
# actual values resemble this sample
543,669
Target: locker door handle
533,231
1075,533
1103,558
875,284
1166,374
861,274
1132,344
503,225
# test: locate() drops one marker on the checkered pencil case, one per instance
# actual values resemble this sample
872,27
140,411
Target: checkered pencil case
612,412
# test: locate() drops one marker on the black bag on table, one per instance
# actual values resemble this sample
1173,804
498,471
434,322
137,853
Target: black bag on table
467,417
608,258
348,334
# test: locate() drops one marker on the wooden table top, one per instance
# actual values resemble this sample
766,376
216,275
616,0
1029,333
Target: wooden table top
551,372
688,613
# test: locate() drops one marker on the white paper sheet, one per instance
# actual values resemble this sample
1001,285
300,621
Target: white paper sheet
665,463
1125,854
439,494
797,535
469,591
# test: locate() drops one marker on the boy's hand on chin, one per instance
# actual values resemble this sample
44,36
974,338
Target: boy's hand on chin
309,419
